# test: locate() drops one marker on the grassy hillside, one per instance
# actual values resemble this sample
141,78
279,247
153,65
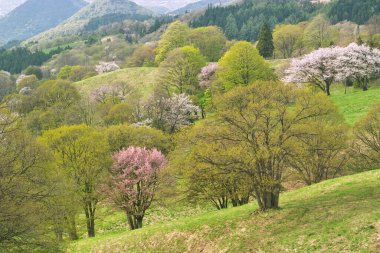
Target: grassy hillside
356,103
340,215
144,79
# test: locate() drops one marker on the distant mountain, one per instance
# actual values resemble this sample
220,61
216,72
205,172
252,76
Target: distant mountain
96,9
35,16
200,5
7,6
168,4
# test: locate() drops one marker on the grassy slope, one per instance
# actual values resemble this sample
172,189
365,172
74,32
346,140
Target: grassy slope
356,103
143,79
340,215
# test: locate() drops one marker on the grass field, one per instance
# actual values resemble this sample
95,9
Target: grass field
356,103
144,79
340,215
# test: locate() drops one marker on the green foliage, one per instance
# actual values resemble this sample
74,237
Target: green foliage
25,189
231,28
242,65
180,70
356,11
288,40
265,43
176,35
366,146
75,73
210,40
34,70
7,84
319,32
83,154
124,136
16,60
244,21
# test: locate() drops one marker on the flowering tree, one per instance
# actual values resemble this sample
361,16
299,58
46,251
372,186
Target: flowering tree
207,72
318,68
358,62
134,182
105,67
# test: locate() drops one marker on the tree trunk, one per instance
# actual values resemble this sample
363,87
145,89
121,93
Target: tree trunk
90,218
328,84
135,221
268,200
59,234
72,228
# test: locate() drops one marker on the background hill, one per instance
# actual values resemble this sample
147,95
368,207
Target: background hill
7,6
35,16
200,5
96,9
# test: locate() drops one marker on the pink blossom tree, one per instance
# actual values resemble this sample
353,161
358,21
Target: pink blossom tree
134,181
359,63
318,68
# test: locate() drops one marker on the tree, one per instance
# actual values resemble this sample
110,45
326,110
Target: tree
231,29
123,136
34,70
210,40
176,35
134,181
318,68
318,32
7,85
83,154
242,65
287,39
180,70
263,120
24,189
204,160
366,145
27,81
321,148
172,113
359,63
265,44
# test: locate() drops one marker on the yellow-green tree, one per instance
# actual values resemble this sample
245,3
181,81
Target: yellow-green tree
83,154
366,145
210,40
241,65
176,35
264,121
288,39
180,70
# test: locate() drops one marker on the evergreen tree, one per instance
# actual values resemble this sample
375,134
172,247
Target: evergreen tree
265,44
231,28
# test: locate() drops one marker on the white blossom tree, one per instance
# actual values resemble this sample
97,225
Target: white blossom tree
318,68
105,67
359,63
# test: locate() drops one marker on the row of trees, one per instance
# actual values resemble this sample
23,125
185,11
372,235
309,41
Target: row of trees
244,21
325,66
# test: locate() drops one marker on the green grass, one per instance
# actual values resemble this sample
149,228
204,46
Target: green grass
356,103
340,215
143,79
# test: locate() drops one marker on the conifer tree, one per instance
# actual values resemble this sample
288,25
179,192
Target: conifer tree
232,30
265,44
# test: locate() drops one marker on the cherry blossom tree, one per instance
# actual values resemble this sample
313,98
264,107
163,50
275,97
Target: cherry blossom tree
105,67
207,72
135,181
318,68
359,63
